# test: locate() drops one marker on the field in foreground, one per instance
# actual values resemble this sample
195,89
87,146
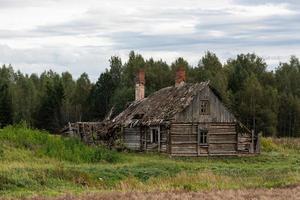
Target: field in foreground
33,163
242,194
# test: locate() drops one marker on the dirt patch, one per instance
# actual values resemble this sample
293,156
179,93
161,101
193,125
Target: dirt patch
290,193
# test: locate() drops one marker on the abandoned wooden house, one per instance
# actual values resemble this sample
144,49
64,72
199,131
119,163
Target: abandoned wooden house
183,120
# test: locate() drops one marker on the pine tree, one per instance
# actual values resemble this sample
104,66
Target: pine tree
6,112
49,116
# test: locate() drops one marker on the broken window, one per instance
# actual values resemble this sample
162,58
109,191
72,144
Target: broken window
204,107
154,135
202,136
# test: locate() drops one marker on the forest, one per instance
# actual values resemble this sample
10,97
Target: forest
266,101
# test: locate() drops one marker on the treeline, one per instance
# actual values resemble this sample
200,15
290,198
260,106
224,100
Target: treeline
267,101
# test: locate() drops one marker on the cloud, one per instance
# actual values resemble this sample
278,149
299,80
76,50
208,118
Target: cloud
265,10
80,36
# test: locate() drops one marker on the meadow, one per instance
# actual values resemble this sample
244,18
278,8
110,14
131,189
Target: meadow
33,162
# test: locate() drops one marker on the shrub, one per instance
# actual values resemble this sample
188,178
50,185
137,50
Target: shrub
268,145
61,148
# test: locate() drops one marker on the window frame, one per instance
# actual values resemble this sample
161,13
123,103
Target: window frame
202,137
154,135
204,107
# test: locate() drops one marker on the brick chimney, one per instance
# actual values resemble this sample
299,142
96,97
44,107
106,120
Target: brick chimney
140,85
180,76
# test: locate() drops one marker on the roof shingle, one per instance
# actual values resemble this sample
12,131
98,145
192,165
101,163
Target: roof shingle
160,106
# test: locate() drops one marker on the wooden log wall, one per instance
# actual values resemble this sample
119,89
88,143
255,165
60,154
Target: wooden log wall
183,140
245,142
163,139
222,138
132,138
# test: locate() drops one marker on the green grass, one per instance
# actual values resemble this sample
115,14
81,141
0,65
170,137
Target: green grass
64,149
33,162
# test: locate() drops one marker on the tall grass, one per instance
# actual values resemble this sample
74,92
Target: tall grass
25,167
44,144
270,144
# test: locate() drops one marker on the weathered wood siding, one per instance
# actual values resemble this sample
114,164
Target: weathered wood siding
150,146
222,139
183,140
244,143
164,139
217,111
219,122
132,138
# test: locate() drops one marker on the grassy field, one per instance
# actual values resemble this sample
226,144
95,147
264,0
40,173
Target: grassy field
36,163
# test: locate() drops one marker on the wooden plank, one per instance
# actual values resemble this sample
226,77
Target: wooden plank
223,142
179,138
186,149
184,135
222,133
222,147
202,150
222,130
158,139
169,141
184,142
198,143
184,155
222,138
223,152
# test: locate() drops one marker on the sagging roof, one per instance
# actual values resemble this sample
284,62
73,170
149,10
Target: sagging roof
161,106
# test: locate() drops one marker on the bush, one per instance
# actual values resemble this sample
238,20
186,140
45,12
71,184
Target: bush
44,144
268,145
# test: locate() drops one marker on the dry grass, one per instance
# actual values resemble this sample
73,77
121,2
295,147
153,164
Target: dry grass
290,143
185,181
288,193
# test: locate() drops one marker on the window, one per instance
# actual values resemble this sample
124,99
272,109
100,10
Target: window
154,135
204,107
202,136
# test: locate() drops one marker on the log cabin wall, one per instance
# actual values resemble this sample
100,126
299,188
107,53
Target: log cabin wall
164,139
244,143
132,138
222,139
183,140
218,123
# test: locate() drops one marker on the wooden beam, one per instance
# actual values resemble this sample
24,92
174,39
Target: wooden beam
158,132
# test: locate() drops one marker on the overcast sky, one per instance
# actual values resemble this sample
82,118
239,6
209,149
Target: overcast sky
80,36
